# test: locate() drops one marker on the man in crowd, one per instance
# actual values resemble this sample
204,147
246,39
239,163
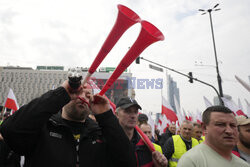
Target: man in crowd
55,130
177,145
171,130
147,129
220,127
127,113
197,132
242,149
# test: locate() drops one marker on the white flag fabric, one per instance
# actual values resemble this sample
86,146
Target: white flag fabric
11,101
151,122
164,124
180,115
232,106
248,108
168,111
240,105
198,116
207,102
243,83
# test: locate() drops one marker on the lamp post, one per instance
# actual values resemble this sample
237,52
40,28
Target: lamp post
211,23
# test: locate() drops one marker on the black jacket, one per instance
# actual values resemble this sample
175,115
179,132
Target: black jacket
143,154
164,137
7,157
168,148
45,140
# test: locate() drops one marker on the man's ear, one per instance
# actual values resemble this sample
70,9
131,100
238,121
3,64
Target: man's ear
117,114
204,127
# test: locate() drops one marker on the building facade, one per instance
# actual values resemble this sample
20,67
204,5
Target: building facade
172,92
28,83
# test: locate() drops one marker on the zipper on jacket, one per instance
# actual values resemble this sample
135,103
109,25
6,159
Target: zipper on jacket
77,152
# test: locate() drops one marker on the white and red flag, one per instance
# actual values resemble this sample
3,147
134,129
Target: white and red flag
11,102
180,114
168,111
164,123
232,106
198,116
248,108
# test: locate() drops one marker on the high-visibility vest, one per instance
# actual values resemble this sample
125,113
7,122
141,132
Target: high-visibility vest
202,139
157,147
179,149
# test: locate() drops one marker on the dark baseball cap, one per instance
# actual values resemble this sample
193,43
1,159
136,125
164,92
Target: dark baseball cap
142,117
127,102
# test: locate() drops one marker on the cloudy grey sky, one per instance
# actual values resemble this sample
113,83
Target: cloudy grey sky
71,32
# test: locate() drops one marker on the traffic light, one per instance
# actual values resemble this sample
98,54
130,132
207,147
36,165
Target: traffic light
137,60
190,77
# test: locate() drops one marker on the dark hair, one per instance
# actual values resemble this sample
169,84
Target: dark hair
142,118
207,113
197,124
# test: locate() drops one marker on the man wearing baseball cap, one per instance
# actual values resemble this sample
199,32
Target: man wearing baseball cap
242,149
127,114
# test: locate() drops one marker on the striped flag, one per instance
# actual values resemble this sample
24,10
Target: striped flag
168,111
233,106
180,114
11,102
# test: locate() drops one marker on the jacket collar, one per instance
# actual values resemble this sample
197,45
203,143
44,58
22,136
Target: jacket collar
90,125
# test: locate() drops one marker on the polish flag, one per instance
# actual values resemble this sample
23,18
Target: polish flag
190,116
232,106
164,124
187,115
168,111
180,114
11,102
198,116
248,108
159,124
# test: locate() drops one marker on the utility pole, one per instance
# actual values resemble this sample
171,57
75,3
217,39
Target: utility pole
209,11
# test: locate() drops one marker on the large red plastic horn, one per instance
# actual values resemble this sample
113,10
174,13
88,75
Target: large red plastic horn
145,139
148,35
125,19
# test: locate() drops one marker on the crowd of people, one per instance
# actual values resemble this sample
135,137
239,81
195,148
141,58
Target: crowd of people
66,128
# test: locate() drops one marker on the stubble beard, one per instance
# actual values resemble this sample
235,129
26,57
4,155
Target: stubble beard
243,141
77,114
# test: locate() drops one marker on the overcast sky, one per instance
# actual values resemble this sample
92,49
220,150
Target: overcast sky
70,33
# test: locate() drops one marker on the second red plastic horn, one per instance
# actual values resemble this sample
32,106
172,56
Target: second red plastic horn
148,35
125,19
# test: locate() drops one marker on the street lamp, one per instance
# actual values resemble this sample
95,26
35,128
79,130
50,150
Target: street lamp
217,68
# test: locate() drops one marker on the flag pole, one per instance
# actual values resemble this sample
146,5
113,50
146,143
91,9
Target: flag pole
2,112
161,95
